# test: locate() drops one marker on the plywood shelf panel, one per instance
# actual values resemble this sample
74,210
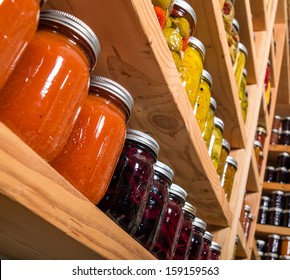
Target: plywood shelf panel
263,230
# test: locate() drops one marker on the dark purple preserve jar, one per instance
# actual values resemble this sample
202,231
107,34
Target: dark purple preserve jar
156,204
129,188
197,241
166,241
205,251
184,240
215,251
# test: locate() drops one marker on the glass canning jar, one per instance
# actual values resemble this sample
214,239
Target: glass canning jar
128,191
283,160
228,14
257,149
215,143
274,217
286,123
286,218
205,251
286,204
166,241
226,148
275,136
260,161
184,240
162,10
285,246
265,201
262,215
270,256
248,226
156,204
269,174
284,137
240,63
191,68
260,135
202,103
277,199
260,245
273,243
197,241
215,251
245,216
243,95
228,176
281,175
208,126
43,95
18,24
277,120
88,158
234,39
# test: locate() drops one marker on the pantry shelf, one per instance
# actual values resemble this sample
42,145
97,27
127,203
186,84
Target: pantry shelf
263,230
43,217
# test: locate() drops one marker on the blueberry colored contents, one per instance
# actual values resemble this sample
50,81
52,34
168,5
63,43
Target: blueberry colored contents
166,241
154,211
129,189
184,240
196,244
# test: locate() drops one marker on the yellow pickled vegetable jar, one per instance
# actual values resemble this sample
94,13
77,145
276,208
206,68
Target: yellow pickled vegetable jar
226,148
208,126
202,103
162,10
191,68
234,40
244,105
257,149
215,143
228,13
240,63
228,176
243,95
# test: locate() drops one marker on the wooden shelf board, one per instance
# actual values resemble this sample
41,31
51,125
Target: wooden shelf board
268,187
43,216
263,230
258,8
161,107
254,182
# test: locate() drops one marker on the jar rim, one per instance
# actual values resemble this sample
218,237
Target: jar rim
194,41
226,144
218,122
232,161
179,191
261,129
214,245
243,49
274,236
185,6
205,75
164,169
236,24
143,138
199,223
114,89
213,104
207,235
258,144
189,208
87,36
245,72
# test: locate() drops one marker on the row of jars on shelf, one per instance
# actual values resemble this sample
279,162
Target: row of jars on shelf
275,209
274,247
280,134
81,130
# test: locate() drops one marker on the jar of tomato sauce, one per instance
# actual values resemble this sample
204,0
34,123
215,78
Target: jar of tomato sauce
91,153
18,24
44,94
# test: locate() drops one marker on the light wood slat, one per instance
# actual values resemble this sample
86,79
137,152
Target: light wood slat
263,230
44,202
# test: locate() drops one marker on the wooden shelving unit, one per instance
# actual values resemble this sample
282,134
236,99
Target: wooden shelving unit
57,222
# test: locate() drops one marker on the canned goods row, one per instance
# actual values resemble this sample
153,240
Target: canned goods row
280,133
275,247
246,219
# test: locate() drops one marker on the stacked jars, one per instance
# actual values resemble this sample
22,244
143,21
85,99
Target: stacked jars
162,10
234,39
228,13
178,27
280,131
246,219
243,94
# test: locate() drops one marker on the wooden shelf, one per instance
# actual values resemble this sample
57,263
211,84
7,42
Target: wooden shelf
268,187
263,230
44,217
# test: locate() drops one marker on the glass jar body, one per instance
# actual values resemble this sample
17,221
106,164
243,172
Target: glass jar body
239,65
44,94
273,244
128,191
227,179
215,145
205,251
88,158
154,211
208,126
18,24
166,241
197,243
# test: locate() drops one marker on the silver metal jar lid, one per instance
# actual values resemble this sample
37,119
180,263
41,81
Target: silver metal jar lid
261,129
284,154
264,208
270,167
286,211
286,118
236,25
278,192
185,6
243,49
251,216
195,42
207,235
261,154
277,117
219,123
273,255
163,169
284,169
207,77
260,242
258,144
245,72
247,207
276,209
115,90
189,208
275,236
226,144
232,161
179,191
87,38
285,238
143,138
264,197
215,246
199,223
213,104
285,132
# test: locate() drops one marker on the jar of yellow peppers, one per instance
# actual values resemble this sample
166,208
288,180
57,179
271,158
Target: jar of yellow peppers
243,96
208,126
228,176
162,10
178,29
215,143
226,148
202,103
234,39
240,63
191,68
